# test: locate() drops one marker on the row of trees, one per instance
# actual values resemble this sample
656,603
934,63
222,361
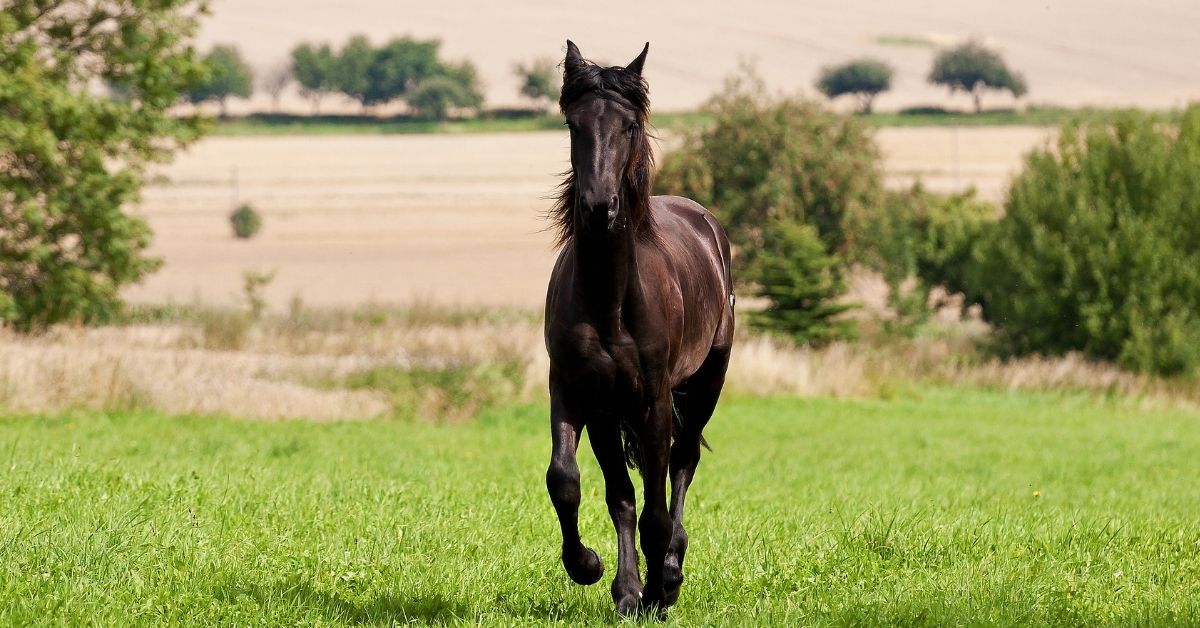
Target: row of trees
405,69
971,68
1087,255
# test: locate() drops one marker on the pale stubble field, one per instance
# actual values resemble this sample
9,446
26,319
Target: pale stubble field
452,219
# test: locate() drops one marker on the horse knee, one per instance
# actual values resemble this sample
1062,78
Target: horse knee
562,482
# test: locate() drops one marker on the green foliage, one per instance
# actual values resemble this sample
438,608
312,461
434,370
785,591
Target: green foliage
315,70
919,240
540,81
434,97
762,160
865,78
800,282
973,68
398,66
226,74
791,182
72,160
254,282
405,68
245,221
1097,251
351,69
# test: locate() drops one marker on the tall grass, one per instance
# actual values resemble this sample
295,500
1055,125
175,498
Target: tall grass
449,363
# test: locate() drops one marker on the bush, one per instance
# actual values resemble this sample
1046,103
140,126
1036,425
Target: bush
800,282
919,240
246,222
434,97
764,160
865,78
1098,251
797,168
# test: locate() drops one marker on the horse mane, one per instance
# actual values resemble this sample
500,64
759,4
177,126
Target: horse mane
629,90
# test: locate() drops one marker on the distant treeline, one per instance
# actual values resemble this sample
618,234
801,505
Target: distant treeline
404,69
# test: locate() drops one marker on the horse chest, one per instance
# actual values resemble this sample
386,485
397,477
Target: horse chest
608,368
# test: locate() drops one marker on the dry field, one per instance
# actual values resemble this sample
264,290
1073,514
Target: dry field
447,218
306,365
1073,52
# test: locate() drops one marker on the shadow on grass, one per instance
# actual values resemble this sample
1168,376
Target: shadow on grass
411,606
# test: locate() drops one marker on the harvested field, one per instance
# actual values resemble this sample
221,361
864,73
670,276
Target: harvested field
445,218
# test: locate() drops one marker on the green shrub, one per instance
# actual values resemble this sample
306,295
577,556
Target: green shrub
782,175
1098,250
800,282
246,222
763,159
919,240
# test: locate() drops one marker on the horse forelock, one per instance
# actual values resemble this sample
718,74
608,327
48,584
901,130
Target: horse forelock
625,88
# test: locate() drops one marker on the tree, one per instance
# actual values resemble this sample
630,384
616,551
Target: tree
540,81
398,66
314,68
226,74
973,68
1097,250
434,97
864,78
800,281
71,159
275,81
351,69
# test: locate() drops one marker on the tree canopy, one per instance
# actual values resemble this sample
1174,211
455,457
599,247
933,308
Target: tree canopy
974,68
540,81
71,160
225,74
865,78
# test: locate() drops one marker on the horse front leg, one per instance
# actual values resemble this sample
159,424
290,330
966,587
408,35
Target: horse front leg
562,482
655,524
605,436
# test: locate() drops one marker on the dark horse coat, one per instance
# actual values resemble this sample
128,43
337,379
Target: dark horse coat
639,327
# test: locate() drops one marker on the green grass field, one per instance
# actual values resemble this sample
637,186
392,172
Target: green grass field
934,508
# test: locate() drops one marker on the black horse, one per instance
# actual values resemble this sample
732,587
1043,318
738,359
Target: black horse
639,326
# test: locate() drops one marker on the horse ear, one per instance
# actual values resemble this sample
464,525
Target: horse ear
635,66
574,60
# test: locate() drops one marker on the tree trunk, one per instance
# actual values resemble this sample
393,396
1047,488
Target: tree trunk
868,102
978,94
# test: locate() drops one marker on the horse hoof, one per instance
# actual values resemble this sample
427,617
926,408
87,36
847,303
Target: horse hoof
629,605
672,579
588,570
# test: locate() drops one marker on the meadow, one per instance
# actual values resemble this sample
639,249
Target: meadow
934,507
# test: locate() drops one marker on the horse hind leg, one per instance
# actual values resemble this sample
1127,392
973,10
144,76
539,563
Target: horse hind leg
562,482
699,398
